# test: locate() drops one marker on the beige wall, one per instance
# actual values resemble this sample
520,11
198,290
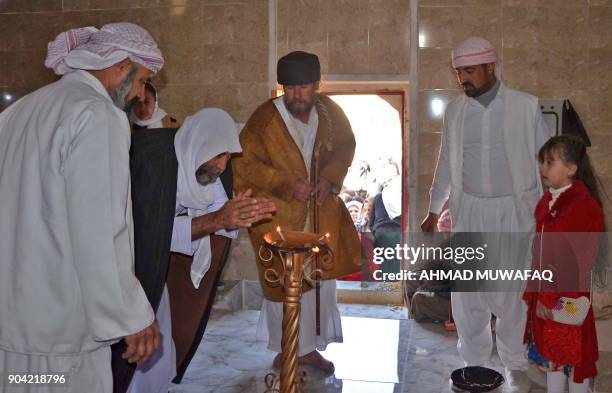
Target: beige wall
549,48
353,37
216,51
211,58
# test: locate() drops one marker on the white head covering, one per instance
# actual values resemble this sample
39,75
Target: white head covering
88,48
203,136
474,51
357,204
155,121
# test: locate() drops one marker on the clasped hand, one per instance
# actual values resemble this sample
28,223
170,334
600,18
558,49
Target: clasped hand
243,210
303,190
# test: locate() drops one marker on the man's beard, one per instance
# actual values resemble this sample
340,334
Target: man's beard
298,111
477,92
120,94
206,175
471,92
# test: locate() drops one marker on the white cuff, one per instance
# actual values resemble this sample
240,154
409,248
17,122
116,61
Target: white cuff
181,236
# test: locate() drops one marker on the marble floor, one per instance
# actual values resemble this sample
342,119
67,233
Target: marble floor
382,352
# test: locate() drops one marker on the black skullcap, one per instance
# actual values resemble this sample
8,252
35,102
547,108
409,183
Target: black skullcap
298,68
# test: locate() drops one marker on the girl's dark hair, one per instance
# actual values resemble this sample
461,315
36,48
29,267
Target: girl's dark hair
572,149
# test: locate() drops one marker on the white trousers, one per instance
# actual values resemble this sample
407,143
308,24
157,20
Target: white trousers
271,320
88,372
156,374
556,382
472,315
472,310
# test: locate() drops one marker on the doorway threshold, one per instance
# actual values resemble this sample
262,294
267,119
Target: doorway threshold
362,292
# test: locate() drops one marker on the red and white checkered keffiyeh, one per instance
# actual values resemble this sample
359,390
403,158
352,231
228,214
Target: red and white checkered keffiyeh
474,51
88,48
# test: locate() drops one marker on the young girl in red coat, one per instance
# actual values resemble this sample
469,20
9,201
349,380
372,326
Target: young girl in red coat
569,222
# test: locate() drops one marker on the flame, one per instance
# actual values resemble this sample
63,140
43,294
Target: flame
315,249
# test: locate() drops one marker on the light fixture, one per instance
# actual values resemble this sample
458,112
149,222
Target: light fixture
437,107
8,97
422,40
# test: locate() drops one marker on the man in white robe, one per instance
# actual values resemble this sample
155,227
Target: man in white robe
488,172
67,286
203,145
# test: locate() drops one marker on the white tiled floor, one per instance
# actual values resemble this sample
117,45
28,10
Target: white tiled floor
378,356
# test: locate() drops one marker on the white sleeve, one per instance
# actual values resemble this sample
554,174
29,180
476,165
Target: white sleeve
440,188
97,181
181,231
181,236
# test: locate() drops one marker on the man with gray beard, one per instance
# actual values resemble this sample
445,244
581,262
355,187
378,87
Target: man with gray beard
67,284
183,219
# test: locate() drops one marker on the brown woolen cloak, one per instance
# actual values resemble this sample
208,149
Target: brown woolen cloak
271,163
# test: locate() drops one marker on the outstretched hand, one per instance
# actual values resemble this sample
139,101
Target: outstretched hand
243,210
